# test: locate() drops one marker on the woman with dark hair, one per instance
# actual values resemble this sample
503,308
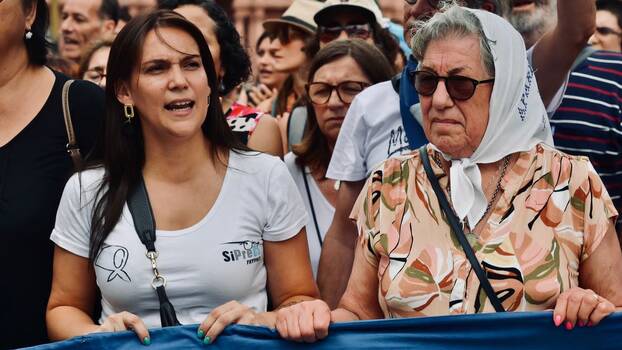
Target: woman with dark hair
337,74
166,137
269,81
93,65
34,164
292,37
232,68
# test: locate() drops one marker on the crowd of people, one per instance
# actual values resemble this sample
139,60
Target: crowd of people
150,177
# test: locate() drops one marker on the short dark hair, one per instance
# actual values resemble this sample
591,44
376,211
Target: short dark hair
313,150
37,46
265,35
109,9
233,57
613,6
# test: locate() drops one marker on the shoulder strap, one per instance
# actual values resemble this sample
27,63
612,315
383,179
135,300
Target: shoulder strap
72,145
457,231
583,55
142,214
144,223
317,227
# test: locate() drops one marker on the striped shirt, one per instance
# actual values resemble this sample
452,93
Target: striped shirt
589,120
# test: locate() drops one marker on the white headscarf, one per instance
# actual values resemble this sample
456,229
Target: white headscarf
517,118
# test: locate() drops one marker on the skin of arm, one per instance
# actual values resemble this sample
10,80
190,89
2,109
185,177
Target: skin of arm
555,52
267,137
338,248
360,300
602,271
290,278
72,297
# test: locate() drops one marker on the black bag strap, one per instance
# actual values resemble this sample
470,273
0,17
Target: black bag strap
144,223
317,227
457,230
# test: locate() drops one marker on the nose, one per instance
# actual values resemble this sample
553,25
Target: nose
102,83
441,98
66,24
333,100
342,36
592,40
177,78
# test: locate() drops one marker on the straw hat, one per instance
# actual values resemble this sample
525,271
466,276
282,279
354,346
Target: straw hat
368,6
299,14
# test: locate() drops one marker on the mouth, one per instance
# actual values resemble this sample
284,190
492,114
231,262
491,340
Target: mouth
180,107
70,41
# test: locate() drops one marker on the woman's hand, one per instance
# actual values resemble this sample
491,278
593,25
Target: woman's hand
581,306
126,321
307,321
260,93
232,312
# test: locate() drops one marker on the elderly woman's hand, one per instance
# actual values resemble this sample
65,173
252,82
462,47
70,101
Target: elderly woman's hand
581,306
307,321
232,312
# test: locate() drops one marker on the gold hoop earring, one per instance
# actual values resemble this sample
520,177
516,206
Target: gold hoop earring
129,113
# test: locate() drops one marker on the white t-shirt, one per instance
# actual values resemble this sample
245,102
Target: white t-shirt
324,211
373,131
218,259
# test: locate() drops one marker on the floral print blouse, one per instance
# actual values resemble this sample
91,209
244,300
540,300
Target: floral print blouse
551,215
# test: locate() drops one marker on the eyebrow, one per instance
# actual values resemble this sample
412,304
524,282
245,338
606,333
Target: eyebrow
164,60
450,72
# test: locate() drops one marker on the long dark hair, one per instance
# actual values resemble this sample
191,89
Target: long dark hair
233,57
37,46
313,151
123,151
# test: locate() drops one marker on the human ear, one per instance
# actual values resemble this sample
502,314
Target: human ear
124,94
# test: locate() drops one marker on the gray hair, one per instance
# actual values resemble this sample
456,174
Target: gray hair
452,21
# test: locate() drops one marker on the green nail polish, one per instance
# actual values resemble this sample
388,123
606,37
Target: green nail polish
207,340
147,341
200,333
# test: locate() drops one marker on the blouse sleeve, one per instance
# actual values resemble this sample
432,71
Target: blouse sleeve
599,213
365,213
72,228
286,214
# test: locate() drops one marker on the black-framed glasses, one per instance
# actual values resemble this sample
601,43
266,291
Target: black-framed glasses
607,31
360,31
319,93
432,3
458,87
93,75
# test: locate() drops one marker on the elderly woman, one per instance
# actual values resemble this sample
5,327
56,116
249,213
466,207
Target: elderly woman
540,221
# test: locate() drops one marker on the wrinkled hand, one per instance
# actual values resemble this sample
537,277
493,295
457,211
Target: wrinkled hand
232,312
578,306
307,321
126,321
260,93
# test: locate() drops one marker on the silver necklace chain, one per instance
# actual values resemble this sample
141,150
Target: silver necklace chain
506,162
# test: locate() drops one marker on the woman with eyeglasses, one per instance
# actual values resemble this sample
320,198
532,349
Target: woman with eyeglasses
360,19
337,74
93,66
521,227
608,35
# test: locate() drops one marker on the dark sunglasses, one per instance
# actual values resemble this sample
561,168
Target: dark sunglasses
360,31
319,93
458,87
606,31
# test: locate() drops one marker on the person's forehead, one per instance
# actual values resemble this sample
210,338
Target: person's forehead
83,7
146,3
168,43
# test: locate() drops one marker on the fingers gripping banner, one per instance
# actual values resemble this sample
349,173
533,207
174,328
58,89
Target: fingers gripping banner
511,330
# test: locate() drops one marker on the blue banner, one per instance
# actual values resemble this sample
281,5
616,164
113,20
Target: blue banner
508,330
